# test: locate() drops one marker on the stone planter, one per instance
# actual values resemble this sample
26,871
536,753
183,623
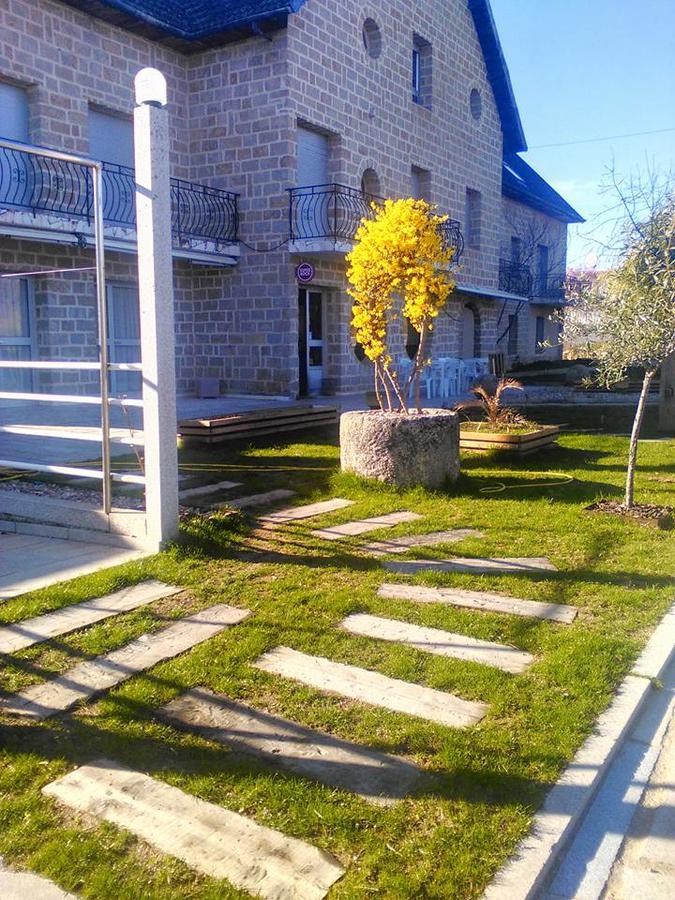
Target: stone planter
520,444
403,450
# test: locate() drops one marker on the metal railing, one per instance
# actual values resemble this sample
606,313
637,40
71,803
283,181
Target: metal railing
549,287
334,211
515,278
60,186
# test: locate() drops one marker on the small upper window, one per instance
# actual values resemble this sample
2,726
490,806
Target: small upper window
476,103
421,71
370,183
372,38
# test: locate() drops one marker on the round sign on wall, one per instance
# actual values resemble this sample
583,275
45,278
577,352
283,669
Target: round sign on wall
304,272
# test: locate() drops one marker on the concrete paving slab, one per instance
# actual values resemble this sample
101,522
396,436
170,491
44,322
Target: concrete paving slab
212,840
100,674
294,513
480,600
378,777
349,529
256,499
33,562
403,544
24,885
24,634
372,688
206,489
479,566
442,643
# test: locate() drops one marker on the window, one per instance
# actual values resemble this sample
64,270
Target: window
540,326
516,250
16,332
372,38
420,181
472,218
476,104
542,270
370,183
13,113
111,138
421,71
512,349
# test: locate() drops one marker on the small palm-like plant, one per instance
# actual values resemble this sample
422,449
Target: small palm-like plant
490,401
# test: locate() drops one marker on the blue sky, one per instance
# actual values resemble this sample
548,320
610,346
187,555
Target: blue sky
583,69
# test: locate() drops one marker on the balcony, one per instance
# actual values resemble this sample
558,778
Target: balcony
52,196
549,289
515,278
324,218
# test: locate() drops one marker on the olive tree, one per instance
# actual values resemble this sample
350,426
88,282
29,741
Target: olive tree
631,308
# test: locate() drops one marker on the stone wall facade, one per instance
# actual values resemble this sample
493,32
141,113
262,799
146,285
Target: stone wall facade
235,112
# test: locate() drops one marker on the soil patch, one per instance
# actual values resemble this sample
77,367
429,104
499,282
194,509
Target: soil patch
644,513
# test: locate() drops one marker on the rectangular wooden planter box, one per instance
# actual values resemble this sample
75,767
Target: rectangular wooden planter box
520,444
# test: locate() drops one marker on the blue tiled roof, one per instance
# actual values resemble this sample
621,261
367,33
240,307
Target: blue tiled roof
520,182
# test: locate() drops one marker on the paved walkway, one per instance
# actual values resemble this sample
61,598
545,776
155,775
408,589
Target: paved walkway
29,562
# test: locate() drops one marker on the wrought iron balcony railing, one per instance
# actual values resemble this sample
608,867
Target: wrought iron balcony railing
515,278
334,211
51,186
549,287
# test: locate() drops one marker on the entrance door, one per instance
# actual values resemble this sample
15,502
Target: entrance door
16,333
124,336
310,343
469,328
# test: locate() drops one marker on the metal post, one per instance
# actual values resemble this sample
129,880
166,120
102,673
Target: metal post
97,181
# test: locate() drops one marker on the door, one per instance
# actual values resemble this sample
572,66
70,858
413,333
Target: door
314,209
16,332
310,341
469,329
124,336
16,181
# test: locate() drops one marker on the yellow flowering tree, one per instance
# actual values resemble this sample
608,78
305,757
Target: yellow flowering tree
399,266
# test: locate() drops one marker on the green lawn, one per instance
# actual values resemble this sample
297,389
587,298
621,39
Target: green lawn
485,782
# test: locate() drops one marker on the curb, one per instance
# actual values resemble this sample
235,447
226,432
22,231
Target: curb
554,826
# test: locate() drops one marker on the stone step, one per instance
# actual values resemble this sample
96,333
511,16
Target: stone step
255,499
24,634
208,489
442,643
372,688
348,529
485,566
378,777
100,674
481,600
403,544
211,840
294,513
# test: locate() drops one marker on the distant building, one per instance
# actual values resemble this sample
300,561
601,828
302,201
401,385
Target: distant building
287,118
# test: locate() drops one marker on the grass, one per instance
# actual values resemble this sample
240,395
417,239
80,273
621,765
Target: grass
449,839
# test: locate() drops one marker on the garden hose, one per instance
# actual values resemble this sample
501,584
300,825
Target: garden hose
499,486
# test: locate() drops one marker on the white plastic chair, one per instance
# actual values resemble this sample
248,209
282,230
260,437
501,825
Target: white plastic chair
451,377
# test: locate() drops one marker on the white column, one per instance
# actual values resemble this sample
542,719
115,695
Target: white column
155,287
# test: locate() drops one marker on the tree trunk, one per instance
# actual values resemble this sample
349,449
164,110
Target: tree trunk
635,436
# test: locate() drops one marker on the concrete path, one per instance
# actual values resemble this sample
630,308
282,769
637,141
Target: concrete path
474,565
40,701
255,499
307,511
378,777
442,643
206,489
24,634
403,544
372,688
25,886
485,601
28,562
362,526
208,838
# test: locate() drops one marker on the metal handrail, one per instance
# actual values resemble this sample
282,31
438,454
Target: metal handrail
334,211
549,287
515,278
54,182
70,470
68,366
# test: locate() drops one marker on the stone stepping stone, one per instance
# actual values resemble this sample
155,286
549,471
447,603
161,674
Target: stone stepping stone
211,840
403,544
208,489
256,499
482,600
371,687
62,621
442,643
293,513
338,532
96,675
378,777
478,566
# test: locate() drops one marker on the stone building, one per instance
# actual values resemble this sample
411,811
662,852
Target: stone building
286,119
